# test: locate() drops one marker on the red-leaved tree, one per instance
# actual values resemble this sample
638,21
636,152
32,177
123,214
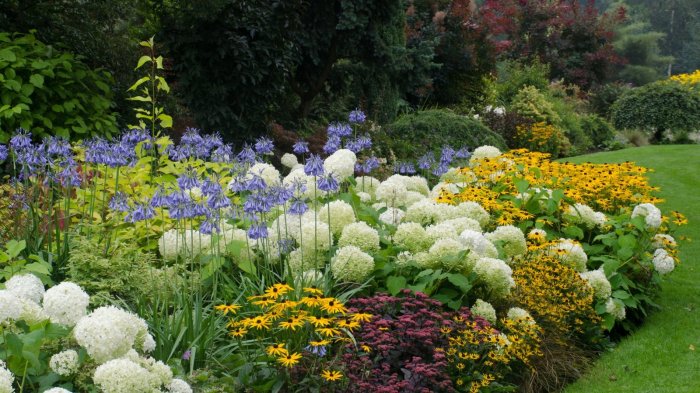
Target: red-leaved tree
575,40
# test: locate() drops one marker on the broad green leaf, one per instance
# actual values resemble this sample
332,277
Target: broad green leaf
138,83
165,120
37,80
143,60
7,55
15,247
460,281
395,284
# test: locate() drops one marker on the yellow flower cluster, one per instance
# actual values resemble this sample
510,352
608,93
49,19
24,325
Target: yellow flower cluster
480,354
540,137
688,79
296,321
603,187
554,293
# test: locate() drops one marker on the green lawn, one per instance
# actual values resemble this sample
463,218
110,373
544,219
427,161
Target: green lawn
664,354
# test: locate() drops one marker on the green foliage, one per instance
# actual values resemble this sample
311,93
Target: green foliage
514,75
601,98
150,115
413,134
597,129
657,107
639,45
49,92
533,104
12,263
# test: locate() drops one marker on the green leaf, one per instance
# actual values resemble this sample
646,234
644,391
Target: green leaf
522,185
143,60
627,241
247,266
138,83
213,265
7,55
39,268
620,294
37,80
460,281
159,62
15,247
395,284
165,120
573,232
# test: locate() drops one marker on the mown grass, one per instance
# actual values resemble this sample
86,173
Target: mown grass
664,354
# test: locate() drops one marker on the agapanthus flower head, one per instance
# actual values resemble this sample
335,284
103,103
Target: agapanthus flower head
209,226
258,230
258,202
213,141
328,183
191,136
159,198
210,186
357,116
298,207
300,147
370,164
21,140
188,179
255,183
339,130
247,155
319,351
223,153
57,146
69,177
426,161
447,154
218,201
332,144
119,202
314,166
142,212
3,153
441,169
463,153
264,145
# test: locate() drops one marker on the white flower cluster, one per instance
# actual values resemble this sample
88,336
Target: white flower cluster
26,286
178,386
584,214
392,192
570,253
341,164
10,306
174,243
367,184
663,262
651,214
66,303
411,236
517,313
109,333
57,390
615,308
64,363
392,216
352,264
338,214
484,152
361,235
599,282
478,244
484,310
6,379
267,172
444,248
511,238
289,160
125,376
496,275
662,240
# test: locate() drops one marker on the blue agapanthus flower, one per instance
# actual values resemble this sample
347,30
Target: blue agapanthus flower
357,116
300,147
314,166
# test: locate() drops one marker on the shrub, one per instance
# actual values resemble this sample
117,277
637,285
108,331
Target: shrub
513,76
543,137
597,129
49,92
602,97
532,103
413,134
657,107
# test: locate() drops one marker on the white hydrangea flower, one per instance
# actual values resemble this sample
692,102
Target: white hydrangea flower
478,244
482,152
441,187
364,197
570,253
441,231
125,376
32,313
512,238
6,379
367,184
178,386
338,214
418,184
403,258
583,214
462,224
310,187
446,212
392,216
458,177
411,236
361,235
341,163
149,344
289,160
158,369
27,286
10,306
424,212
300,261
662,240
393,193
57,390
484,310
267,172
64,363
599,282
517,313
314,237
423,259
174,243
663,263
474,211
446,247
497,276
352,264
651,214
66,303
616,308
413,197
109,332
